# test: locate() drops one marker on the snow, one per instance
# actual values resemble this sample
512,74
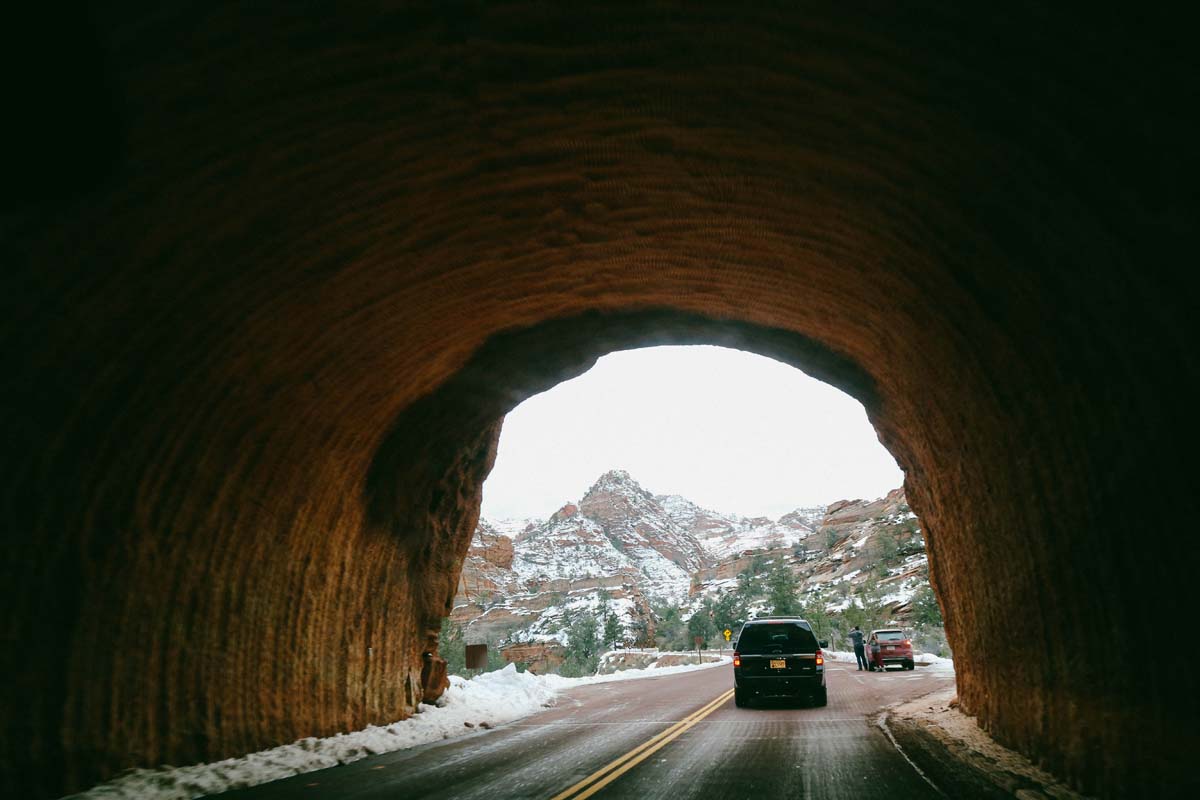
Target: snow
580,548
937,714
926,662
511,528
481,703
844,604
647,672
902,592
935,663
725,536
551,623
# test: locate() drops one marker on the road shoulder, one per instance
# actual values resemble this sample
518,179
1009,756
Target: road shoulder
961,759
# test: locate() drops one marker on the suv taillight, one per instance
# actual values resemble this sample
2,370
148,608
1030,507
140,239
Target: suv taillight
820,658
737,658
908,642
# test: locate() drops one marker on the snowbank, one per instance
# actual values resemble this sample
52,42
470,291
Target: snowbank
934,663
925,661
646,672
483,702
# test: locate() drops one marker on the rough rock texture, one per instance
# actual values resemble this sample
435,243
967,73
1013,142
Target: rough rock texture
723,535
487,568
634,520
843,518
803,520
271,281
864,551
495,549
538,657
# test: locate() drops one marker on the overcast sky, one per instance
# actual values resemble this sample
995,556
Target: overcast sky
729,430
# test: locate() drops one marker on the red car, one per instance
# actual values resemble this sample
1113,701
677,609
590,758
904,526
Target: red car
889,647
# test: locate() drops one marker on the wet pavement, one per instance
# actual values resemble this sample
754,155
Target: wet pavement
670,737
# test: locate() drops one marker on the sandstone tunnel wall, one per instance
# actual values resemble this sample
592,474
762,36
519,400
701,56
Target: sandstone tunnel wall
271,281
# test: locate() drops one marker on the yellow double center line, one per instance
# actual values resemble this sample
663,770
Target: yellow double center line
615,769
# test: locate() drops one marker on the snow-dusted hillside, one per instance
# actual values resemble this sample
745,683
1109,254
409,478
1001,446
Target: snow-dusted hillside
512,528
621,549
618,530
568,547
637,524
862,553
727,535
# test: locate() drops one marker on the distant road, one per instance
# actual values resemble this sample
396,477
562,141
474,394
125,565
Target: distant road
672,737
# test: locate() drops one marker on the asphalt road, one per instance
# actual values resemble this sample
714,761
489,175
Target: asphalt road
672,737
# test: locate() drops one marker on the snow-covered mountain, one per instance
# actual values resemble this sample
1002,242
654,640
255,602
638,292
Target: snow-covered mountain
568,547
618,529
862,551
621,548
619,540
658,541
727,535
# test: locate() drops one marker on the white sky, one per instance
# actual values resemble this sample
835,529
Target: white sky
732,431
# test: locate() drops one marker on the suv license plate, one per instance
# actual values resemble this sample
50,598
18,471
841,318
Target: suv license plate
778,663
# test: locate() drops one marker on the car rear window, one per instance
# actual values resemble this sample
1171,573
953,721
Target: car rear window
776,637
890,636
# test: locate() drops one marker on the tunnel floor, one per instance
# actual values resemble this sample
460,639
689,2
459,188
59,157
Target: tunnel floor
767,749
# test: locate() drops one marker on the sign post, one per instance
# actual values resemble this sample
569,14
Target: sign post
726,633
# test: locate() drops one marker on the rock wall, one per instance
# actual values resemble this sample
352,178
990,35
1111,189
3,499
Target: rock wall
538,657
271,281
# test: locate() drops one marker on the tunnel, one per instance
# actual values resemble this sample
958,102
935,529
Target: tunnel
273,277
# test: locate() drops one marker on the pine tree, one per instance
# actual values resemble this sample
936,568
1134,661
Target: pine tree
582,655
782,589
729,611
925,607
670,631
701,623
451,647
750,584
612,628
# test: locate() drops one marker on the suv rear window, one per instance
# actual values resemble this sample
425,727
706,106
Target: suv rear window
890,636
776,637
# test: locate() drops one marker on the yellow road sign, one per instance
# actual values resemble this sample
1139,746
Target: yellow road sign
727,633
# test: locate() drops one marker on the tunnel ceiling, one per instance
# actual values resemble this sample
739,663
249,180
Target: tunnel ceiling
272,281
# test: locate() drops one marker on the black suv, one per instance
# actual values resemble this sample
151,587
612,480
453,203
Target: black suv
778,657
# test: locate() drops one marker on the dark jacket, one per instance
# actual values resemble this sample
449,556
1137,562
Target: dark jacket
857,638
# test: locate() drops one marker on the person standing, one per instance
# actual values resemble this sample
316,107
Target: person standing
874,659
856,636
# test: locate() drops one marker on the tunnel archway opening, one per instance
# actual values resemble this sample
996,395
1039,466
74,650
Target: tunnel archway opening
452,434
466,413
663,491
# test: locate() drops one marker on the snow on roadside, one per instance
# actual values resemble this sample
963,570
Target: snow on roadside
938,715
935,663
925,661
646,672
483,702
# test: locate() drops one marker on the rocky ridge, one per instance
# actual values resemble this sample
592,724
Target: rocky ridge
621,549
861,551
